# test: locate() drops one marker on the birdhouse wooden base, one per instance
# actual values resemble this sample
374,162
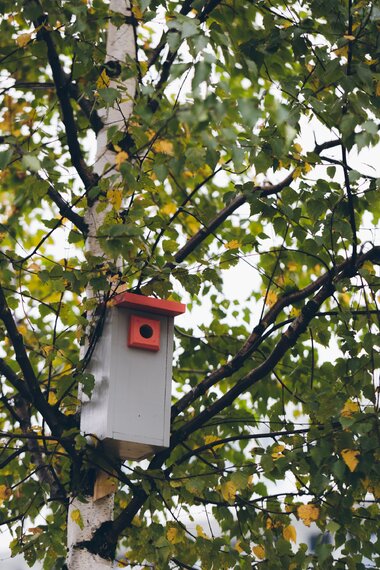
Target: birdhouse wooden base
129,409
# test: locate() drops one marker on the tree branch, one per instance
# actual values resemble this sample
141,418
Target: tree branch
351,208
241,437
13,456
241,199
257,335
203,233
87,106
66,210
288,340
88,178
105,538
326,145
55,419
172,54
12,377
45,472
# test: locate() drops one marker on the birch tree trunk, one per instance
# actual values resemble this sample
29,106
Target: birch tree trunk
120,47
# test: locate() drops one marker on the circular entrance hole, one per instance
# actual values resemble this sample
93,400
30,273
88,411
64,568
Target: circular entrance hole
146,331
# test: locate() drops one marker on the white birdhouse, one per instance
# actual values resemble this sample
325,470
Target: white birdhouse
129,409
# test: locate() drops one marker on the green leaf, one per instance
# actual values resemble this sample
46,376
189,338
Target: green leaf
75,237
109,95
5,157
87,382
31,162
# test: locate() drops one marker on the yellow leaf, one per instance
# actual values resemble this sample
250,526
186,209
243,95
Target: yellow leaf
259,551
137,12
371,487
192,224
292,266
5,493
210,439
271,298
77,518
287,24
120,158
205,170
277,452
378,89
349,409
298,148
368,266
23,39
295,312
35,530
169,209
79,333
228,490
103,80
349,456
200,532
52,398
163,146
308,513
238,548
47,349
115,196
233,244
136,521
34,267
297,172
307,167
349,37
173,535
342,51
375,490
176,484
290,533
345,299
22,330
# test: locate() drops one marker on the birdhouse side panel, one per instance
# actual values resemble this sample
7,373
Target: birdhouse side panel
168,381
95,411
140,391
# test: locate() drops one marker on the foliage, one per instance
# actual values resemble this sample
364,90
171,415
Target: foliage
266,429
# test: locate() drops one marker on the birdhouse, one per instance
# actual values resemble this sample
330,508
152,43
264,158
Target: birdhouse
129,409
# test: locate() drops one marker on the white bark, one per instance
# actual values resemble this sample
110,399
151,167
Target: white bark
93,514
120,47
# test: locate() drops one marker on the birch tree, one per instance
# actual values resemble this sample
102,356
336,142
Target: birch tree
86,514
234,141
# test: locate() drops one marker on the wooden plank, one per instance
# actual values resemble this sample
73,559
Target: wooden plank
105,484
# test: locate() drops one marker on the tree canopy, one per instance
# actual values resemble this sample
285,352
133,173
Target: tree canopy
246,152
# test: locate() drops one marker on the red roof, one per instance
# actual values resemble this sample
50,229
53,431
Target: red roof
151,304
